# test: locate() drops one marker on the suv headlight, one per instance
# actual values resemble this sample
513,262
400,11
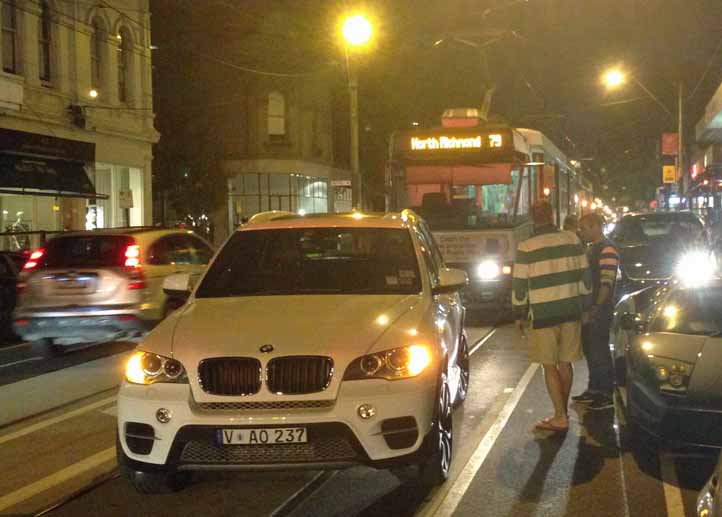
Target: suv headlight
148,368
397,363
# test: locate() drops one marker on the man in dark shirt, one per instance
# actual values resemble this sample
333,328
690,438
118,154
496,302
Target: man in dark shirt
603,259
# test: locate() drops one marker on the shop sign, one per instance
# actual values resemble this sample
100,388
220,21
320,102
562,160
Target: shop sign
670,144
125,199
340,183
669,174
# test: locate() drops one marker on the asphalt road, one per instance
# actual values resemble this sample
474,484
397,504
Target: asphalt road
61,461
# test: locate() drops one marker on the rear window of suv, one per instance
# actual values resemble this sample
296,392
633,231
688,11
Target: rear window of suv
87,251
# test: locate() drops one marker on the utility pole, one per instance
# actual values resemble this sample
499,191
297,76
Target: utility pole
357,190
680,130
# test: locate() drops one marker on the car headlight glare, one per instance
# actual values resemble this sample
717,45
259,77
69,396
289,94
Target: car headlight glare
397,363
488,270
696,268
705,502
148,368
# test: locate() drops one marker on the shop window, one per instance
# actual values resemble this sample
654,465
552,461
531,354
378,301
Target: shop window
44,42
276,115
9,36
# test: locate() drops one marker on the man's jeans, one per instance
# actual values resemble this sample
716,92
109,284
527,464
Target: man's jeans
595,343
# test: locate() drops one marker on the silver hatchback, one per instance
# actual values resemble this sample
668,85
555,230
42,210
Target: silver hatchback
100,286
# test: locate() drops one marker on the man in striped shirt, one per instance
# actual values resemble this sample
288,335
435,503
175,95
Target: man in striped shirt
604,262
551,286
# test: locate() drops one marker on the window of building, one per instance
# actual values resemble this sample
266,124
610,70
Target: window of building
10,34
97,40
276,115
125,190
44,42
124,54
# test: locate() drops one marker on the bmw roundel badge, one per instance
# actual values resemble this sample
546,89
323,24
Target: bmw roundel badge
266,349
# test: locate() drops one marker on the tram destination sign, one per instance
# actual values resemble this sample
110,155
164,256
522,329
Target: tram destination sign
453,145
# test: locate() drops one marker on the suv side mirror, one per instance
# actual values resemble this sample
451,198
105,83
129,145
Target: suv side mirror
451,281
631,321
177,286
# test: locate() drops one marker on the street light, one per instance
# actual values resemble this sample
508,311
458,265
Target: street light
613,78
357,32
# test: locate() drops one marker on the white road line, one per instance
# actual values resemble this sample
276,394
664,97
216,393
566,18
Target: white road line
74,470
11,347
672,492
54,420
482,341
445,502
5,365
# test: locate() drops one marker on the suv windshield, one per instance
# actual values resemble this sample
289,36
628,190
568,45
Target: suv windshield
691,312
86,251
314,261
644,228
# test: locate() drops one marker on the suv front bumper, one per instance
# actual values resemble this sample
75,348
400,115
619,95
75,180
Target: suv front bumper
337,435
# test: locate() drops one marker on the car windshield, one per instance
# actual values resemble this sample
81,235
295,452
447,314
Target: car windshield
658,227
691,311
314,261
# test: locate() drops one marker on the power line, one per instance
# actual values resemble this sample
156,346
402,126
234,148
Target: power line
257,71
704,75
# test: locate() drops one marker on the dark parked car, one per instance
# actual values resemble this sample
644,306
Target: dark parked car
11,263
651,246
668,352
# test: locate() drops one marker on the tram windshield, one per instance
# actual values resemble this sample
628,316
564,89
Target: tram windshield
474,207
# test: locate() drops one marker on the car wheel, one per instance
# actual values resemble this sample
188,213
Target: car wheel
464,371
48,348
435,469
157,482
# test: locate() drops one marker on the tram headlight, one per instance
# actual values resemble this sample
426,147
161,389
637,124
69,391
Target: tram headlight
488,270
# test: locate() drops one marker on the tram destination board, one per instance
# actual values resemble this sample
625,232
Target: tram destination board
455,146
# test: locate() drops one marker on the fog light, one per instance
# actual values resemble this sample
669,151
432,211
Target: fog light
366,411
163,415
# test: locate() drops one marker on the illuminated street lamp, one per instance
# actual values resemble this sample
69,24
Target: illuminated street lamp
93,93
614,78
357,32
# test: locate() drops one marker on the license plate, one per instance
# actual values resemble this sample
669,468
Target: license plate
262,436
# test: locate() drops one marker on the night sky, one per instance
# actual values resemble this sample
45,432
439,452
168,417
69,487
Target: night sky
547,63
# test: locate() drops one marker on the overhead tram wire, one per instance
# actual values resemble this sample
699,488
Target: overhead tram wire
704,75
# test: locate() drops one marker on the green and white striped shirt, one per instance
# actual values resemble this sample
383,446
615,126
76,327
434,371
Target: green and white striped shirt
552,282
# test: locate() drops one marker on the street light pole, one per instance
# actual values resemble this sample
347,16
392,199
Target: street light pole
357,190
680,131
357,32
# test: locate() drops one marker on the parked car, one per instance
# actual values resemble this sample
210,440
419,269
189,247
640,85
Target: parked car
11,263
311,342
709,502
668,350
101,286
652,244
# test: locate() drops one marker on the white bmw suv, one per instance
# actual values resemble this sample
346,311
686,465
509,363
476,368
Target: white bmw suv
311,342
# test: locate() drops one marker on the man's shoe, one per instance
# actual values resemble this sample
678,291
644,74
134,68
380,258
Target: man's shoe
600,403
585,398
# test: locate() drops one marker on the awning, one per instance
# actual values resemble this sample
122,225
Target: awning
37,176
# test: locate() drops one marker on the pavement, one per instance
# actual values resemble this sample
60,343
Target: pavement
58,456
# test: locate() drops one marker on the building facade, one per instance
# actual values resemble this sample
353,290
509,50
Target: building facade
282,155
76,114
704,179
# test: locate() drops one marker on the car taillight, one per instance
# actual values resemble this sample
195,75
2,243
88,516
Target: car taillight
34,259
132,256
